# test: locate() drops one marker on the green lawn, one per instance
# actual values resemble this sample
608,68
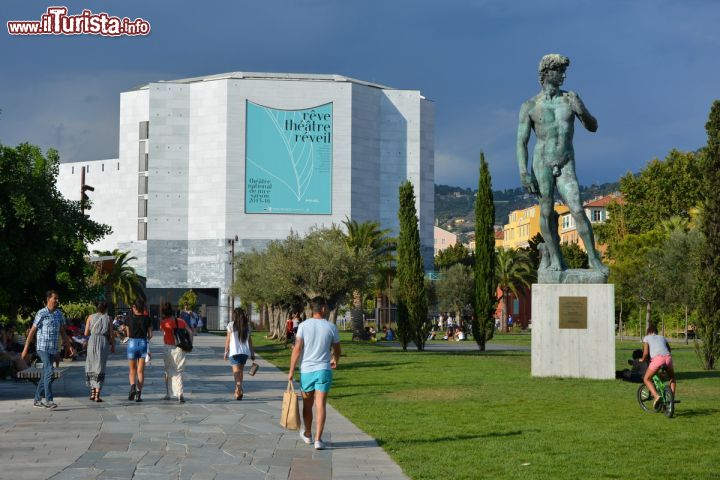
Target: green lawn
471,415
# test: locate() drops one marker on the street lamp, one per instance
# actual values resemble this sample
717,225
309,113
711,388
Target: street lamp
231,297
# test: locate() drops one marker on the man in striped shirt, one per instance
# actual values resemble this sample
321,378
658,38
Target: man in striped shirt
49,325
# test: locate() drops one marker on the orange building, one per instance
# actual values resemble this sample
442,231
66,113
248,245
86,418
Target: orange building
596,211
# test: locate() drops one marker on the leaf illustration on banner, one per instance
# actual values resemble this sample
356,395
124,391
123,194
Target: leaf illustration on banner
300,155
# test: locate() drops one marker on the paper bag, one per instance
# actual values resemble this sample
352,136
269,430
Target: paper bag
290,415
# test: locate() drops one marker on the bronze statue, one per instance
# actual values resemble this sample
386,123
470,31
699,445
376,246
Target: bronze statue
551,114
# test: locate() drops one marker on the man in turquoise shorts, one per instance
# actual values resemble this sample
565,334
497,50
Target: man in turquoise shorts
314,340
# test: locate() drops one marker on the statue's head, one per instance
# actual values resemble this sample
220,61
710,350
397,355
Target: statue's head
552,68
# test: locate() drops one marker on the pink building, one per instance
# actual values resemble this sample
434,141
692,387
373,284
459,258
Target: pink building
443,239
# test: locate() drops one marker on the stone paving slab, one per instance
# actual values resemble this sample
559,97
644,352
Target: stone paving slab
209,437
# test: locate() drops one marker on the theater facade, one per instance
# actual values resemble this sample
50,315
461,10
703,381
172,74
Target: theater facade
213,165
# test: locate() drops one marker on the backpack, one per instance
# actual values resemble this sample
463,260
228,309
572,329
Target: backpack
183,340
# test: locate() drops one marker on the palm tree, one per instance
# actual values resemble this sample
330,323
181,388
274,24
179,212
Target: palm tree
513,271
124,281
369,236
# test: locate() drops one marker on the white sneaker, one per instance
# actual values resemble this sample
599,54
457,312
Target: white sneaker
319,445
305,439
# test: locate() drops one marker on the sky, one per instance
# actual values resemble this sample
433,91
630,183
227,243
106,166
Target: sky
648,70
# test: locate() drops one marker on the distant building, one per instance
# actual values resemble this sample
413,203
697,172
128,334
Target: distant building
596,211
522,226
443,239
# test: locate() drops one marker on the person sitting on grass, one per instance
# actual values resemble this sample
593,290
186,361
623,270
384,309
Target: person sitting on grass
656,348
637,372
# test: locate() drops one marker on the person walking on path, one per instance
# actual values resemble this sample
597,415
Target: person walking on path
238,347
174,355
49,326
139,331
100,343
314,340
191,318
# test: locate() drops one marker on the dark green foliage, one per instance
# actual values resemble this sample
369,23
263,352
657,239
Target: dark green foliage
483,324
574,256
663,189
452,255
533,251
412,309
709,292
43,236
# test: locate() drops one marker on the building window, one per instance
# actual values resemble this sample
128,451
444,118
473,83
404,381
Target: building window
142,157
142,230
142,185
142,207
72,170
102,167
144,130
566,222
118,166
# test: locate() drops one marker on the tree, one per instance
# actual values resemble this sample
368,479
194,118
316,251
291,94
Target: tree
412,309
485,300
367,238
124,282
455,290
574,256
709,292
453,254
635,271
43,236
663,189
513,273
188,298
290,272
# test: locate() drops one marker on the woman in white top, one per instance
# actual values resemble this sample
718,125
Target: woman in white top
656,347
238,347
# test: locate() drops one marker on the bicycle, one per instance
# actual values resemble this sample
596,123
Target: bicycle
667,398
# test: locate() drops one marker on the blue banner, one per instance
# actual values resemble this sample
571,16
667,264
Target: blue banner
288,160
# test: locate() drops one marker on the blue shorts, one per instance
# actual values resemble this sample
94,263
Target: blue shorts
320,380
238,359
137,348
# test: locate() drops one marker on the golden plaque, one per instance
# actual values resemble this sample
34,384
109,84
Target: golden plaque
573,312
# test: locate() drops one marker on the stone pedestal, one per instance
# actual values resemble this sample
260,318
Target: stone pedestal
583,346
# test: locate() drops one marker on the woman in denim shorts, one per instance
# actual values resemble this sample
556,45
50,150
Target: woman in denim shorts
238,347
139,330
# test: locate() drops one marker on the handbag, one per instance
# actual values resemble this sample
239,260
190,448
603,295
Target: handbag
290,415
253,369
182,338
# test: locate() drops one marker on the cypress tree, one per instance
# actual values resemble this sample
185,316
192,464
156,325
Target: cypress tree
483,324
412,303
709,292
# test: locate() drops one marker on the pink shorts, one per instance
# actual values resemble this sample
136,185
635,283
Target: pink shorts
660,360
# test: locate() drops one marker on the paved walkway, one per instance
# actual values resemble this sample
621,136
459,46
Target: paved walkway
211,436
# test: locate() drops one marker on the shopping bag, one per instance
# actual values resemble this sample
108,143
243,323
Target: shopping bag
290,415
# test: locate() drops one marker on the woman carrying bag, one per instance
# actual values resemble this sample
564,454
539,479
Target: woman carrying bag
238,347
174,354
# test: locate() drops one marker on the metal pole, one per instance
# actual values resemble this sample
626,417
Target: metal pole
82,191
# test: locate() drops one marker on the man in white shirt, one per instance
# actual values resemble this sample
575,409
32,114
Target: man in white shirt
314,340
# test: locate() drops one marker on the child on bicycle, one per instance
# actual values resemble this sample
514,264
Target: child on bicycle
656,348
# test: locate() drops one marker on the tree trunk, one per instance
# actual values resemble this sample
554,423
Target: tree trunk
333,316
356,315
686,324
504,313
648,315
620,324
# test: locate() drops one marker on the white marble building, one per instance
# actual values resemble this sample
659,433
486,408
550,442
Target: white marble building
176,194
